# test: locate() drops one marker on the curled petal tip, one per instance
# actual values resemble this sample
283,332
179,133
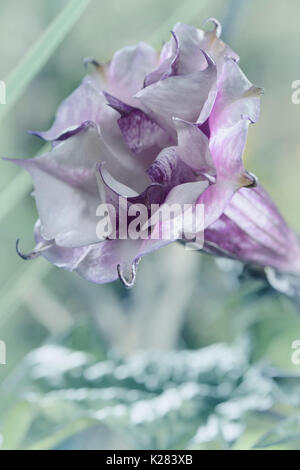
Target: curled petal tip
260,91
35,134
28,256
38,249
253,91
209,60
217,24
248,180
245,117
231,57
91,60
212,179
175,38
127,274
122,108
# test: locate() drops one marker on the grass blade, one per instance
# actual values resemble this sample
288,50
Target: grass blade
38,55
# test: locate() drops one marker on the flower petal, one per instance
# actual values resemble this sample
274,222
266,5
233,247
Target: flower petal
212,43
169,169
168,223
103,262
179,96
139,131
84,104
127,70
131,170
227,149
193,147
168,64
66,258
181,55
142,133
183,51
236,106
111,259
237,98
252,230
65,188
215,199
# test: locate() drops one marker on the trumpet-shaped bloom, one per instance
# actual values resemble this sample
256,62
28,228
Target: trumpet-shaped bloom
154,129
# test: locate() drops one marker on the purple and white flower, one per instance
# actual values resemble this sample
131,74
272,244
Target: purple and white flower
156,129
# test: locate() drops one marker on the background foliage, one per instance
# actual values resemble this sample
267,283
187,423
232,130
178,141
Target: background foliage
101,367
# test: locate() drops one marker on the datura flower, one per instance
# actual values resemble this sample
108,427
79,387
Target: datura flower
155,129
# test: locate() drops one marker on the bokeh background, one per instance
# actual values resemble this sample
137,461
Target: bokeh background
182,301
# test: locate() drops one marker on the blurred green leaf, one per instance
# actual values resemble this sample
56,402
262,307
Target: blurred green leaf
287,430
23,283
16,425
60,435
289,387
179,399
17,189
38,55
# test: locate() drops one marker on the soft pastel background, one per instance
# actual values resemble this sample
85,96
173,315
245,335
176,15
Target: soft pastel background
181,300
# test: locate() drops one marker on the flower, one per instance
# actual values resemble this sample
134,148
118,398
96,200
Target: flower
252,230
154,129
